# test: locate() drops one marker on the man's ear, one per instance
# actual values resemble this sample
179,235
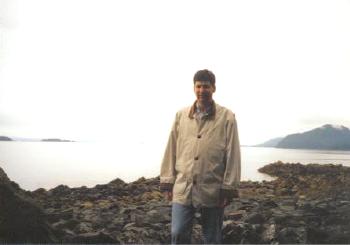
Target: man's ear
214,88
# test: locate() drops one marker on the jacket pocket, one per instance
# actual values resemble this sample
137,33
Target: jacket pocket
216,153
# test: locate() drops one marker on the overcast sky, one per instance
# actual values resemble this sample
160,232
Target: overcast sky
92,69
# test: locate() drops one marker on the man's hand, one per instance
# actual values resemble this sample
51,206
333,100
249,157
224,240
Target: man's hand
168,195
224,202
167,190
226,197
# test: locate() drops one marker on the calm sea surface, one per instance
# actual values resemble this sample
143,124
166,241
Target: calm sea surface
48,164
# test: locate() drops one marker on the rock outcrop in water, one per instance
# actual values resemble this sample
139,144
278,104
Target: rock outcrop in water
5,138
304,204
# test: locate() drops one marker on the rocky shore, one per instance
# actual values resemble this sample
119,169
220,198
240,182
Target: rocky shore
304,204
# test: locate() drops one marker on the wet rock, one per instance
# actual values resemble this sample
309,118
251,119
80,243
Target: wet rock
60,190
254,218
21,219
269,233
117,182
232,232
94,238
303,204
162,215
250,235
292,235
235,215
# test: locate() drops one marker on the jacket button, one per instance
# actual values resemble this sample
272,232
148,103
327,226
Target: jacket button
199,136
196,158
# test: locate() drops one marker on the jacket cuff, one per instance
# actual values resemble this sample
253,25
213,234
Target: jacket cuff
167,179
166,187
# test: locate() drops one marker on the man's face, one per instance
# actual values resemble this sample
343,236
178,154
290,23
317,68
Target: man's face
204,91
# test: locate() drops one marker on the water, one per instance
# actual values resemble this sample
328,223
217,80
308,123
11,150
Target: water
48,164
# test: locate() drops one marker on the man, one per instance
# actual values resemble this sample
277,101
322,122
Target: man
202,164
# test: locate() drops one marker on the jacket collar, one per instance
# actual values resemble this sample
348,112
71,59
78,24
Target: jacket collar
211,111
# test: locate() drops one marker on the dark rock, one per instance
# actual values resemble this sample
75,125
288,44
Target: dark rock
266,204
250,235
40,192
316,235
117,182
235,215
254,218
304,204
292,235
161,215
60,190
21,219
232,232
94,238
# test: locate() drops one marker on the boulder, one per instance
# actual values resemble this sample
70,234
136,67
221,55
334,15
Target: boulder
21,219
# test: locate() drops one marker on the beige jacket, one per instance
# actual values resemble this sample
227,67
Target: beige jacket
202,157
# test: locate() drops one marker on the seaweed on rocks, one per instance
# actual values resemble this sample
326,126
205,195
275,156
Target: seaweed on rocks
304,204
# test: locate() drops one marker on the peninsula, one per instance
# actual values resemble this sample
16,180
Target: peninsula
5,138
326,137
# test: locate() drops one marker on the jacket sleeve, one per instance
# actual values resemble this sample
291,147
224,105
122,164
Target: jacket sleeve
232,174
167,172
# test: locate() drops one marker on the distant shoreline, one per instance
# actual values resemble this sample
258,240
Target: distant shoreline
18,139
56,140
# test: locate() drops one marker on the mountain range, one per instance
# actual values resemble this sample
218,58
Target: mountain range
326,137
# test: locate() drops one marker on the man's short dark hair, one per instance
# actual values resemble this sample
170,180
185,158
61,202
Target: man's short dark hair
204,75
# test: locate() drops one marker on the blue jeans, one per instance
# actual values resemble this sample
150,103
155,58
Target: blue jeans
181,224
